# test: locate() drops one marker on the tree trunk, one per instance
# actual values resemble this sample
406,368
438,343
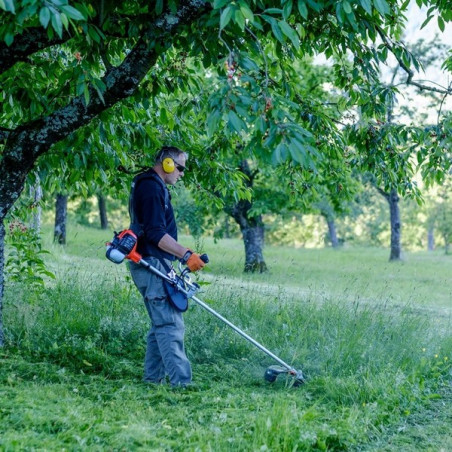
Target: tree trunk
396,248
253,238
393,200
430,239
102,211
36,194
332,232
2,281
59,232
252,228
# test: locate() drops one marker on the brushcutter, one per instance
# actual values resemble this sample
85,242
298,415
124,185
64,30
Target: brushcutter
124,246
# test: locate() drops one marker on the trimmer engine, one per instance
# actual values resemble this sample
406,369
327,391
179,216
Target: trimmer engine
123,246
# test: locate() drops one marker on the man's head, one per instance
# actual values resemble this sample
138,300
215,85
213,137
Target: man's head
170,164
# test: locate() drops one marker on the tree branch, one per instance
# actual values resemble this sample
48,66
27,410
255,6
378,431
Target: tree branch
382,192
121,82
26,44
409,71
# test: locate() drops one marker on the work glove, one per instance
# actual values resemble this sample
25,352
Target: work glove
193,261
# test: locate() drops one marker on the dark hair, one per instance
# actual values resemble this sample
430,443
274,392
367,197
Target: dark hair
169,151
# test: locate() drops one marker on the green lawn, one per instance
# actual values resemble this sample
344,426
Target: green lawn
373,337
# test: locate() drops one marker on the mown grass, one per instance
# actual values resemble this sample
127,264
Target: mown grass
376,353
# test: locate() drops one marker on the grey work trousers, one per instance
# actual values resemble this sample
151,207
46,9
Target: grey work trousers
165,352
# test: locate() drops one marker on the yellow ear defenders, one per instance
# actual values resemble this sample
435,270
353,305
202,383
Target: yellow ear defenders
168,165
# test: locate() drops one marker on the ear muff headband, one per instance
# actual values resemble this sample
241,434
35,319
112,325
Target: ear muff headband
168,165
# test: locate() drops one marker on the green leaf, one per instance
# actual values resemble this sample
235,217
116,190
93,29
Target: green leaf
441,24
44,16
212,122
316,5
287,10
340,12
73,13
86,94
234,120
273,11
347,7
239,19
303,9
226,16
277,31
57,25
93,34
281,153
8,5
290,33
261,124
382,7
367,5
158,7
217,4
246,11
9,38
298,152
426,21
64,20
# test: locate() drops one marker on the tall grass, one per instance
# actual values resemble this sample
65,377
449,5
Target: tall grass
71,373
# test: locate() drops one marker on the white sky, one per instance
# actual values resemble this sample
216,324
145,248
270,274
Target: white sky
434,74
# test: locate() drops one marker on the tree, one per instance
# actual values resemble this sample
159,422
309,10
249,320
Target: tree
99,59
102,204
251,225
327,211
59,231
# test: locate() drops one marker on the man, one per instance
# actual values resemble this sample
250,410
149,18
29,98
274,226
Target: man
151,209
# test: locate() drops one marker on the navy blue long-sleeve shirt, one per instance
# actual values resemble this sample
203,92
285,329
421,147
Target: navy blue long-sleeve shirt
156,218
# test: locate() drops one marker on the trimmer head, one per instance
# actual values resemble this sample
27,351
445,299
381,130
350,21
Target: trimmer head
272,372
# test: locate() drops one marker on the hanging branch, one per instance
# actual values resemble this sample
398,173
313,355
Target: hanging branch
410,73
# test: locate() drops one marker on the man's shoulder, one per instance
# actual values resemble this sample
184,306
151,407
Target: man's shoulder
149,185
149,178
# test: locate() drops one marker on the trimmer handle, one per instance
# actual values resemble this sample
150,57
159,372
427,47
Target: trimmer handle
204,258
186,270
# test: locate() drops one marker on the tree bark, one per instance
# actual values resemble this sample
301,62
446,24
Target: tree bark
102,211
253,239
252,228
59,232
396,225
332,232
36,193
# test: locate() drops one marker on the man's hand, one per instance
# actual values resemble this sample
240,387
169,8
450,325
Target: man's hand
193,261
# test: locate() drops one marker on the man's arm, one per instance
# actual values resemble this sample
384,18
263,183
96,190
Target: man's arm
168,244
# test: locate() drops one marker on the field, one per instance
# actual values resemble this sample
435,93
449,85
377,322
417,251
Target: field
373,338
